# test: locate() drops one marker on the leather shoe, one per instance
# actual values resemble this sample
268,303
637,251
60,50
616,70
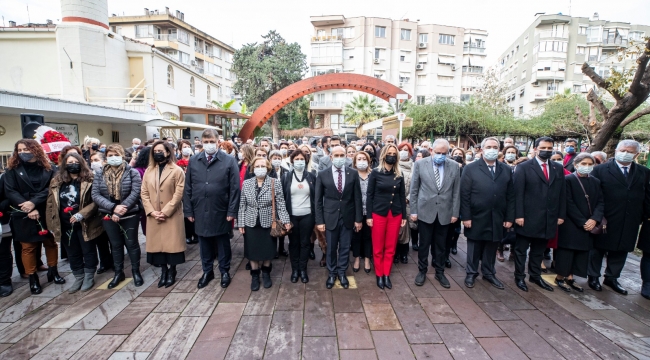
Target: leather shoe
387,282
494,281
574,286
284,253
171,277
562,285
6,290
420,278
448,264
137,277
442,279
294,276
330,281
380,282
416,247
594,284
344,281
225,280
117,279
404,259
103,269
312,254
469,281
205,279
248,266
541,283
303,276
521,284
396,260
454,250
188,241
613,283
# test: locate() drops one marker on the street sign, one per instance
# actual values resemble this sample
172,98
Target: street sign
401,116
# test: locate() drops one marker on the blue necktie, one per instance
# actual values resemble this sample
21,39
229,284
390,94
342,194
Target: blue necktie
625,172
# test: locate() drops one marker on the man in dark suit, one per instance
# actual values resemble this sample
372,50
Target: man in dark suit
211,202
571,149
626,191
487,205
339,212
540,206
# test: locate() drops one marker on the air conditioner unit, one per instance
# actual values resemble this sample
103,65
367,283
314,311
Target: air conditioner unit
453,68
376,61
419,67
423,45
351,57
193,62
536,83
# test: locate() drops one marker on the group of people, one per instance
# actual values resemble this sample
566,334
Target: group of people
365,198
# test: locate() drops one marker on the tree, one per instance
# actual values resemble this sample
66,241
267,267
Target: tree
361,110
629,88
492,93
266,68
224,106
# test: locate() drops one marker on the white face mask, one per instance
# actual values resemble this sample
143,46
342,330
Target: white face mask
362,165
559,162
276,163
403,155
186,151
624,157
210,148
584,170
491,154
96,165
240,156
510,157
114,160
283,152
299,165
260,172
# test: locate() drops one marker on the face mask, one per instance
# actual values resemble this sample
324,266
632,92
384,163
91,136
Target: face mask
371,153
265,148
283,152
135,147
545,154
358,148
570,150
73,168
299,165
491,154
468,157
624,157
559,162
25,157
403,155
260,172
362,165
102,150
391,159
114,160
439,159
97,165
510,157
94,147
338,162
584,170
210,148
276,163
458,159
187,151
240,156
159,157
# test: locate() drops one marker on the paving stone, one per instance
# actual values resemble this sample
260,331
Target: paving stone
460,342
291,297
497,310
431,351
471,314
178,341
381,317
250,338
510,298
79,310
625,321
129,318
65,345
174,303
239,289
415,323
17,311
346,301
147,335
16,331
214,340
533,345
353,332
319,348
501,348
204,300
438,311
479,293
122,355
358,354
185,286
392,345
262,302
428,290
620,337
4,347
319,314
31,344
634,310
285,336
100,347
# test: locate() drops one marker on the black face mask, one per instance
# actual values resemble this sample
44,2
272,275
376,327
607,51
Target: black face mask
26,157
159,157
391,159
95,147
73,168
458,159
545,154
371,153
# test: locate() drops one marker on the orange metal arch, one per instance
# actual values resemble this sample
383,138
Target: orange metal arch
277,101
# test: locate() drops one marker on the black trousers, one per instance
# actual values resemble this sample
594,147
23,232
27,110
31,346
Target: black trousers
615,263
645,273
482,251
213,246
432,235
452,238
362,242
571,262
535,257
415,236
338,249
82,254
104,250
189,229
18,256
300,241
124,233
6,261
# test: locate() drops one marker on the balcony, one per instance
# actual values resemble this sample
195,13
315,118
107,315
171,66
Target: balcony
543,95
551,54
326,105
614,42
168,41
326,38
549,75
473,49
552,34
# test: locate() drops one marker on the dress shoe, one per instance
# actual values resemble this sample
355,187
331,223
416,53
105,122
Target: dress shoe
594,284
205,279
303,276
255,280
442,279
404,259
312,254
171,276
613,283
117,279
500,256
416,247
188,241
494,281
34,284
284,253
574,286
102,269
225,280
454,250
195,239
53,275
380,282
330,281
544,270
6,290
420,278
562,285
387,283
367,270
448,263
344,281
521,284
323,261
163,276
294,276
396,260
266,277
137,277
469,281
355,269
541,283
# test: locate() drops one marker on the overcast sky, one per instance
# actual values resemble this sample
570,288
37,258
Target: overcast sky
244,21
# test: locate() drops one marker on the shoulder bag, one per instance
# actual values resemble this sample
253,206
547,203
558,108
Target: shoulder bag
600,228
277,229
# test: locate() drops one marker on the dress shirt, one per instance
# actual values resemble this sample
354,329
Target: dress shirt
621,166
548,165
335,176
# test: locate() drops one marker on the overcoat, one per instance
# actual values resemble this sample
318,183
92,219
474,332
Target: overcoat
91,225
571,234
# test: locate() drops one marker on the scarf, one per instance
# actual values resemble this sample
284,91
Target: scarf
113,180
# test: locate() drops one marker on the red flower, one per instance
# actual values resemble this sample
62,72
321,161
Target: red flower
68,209
182,163
42,232
1,214
107,218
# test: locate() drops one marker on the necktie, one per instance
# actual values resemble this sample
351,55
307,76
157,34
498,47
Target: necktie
492,171
625,171
437,174
209,159
340,184
545,171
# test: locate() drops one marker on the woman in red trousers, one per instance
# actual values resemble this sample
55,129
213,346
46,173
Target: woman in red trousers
386,212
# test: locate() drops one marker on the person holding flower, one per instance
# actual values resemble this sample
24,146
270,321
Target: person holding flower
73,219
27,184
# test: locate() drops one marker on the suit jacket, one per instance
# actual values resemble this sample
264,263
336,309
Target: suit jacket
253,206
571,234
538,201
211,193
332,206
426,200
568,162
486,201
627,204
286,188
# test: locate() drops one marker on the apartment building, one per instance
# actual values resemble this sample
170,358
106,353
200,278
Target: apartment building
430,62
547,57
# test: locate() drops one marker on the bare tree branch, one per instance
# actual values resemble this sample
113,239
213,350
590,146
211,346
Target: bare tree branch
581,117
598,80
637,115
593,98
642,71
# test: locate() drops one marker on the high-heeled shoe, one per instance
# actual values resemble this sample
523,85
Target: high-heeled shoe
171,276
53,275
34,284
380,282
163,276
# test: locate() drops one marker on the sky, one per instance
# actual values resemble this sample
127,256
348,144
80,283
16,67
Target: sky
244,21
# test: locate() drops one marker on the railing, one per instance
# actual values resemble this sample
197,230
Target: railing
551,93
617,41
326,38
198,50
165,37
592,58
134,95
553,34
474,49
200,70
326,104
327,60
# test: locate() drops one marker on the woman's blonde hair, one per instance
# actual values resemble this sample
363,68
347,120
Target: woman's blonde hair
248,153
251,167
382,160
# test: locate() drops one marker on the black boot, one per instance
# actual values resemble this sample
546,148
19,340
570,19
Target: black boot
6,289
53,274
171,276
380,282
34,284
312,255
137,277
294,276
117,279
163,276
266,277
255,280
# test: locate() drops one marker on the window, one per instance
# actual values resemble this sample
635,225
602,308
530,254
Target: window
217,52
580,50
521,110
379,74
405,34
404,77
184,58
593,34
465,97
183,36
170,76
443,99
524,58
554,46
423,38
517,49
445,80
421,100
348,54
343,33
636,35
446,39
577,88
209,94
582,30
226,74
380,31
192,86
422,79
380,53
142,31
404,56
523,75
526,40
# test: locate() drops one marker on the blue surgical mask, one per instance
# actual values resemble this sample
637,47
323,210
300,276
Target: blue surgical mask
570,149
299,165
624,157
338,162
490,154
114,160
439,159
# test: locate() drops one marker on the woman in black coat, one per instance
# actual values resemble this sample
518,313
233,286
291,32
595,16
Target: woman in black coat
644,245
585,206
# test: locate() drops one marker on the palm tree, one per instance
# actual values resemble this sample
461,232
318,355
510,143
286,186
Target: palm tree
361,110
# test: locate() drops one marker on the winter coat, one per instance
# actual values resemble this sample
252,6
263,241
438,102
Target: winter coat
130,189
91,225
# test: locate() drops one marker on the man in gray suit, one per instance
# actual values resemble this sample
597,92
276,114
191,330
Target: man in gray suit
435,204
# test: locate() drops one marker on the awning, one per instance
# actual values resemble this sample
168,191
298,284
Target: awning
173,124
447,59
373,125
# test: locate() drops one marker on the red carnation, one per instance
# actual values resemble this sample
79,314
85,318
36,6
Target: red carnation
68,209
107,218
1,214
42,232
182,163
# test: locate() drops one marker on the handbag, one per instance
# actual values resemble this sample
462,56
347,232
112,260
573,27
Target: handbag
277,229
600,228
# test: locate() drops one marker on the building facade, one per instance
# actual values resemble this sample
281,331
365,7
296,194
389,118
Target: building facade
430,62
547,57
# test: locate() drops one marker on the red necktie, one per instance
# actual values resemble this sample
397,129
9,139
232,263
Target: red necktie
340,185
545,171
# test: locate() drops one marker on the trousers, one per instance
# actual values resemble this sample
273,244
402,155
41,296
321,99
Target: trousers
615,263
299,241
484,252
535,257
121,234
385,231
212,246
82,254
435,235
338,249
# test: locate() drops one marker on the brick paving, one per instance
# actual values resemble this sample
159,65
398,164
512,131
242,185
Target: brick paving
307,321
